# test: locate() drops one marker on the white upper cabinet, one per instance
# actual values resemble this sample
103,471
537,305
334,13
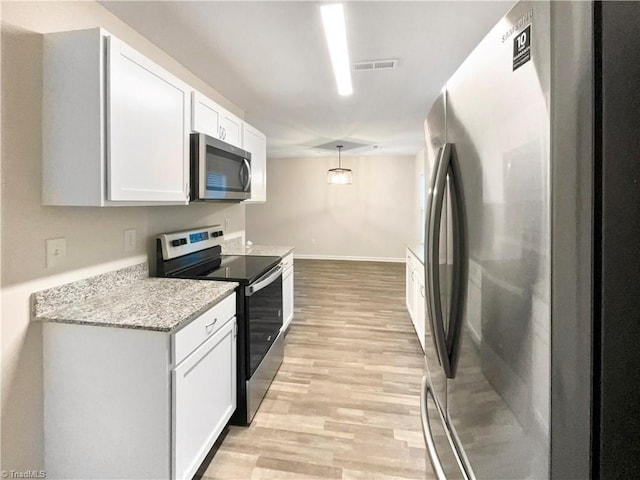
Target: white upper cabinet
205,115
115,124
231,129
216,121
148,128
255,142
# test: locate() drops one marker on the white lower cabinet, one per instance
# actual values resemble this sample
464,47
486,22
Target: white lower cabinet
410,297
137,404
204,398
415,294
420,314
287,291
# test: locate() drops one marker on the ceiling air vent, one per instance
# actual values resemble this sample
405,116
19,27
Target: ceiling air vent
376,65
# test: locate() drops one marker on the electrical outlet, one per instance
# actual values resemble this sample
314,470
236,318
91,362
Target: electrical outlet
130,240
56,251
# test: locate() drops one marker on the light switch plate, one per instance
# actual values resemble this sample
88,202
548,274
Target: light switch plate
56,251
130,240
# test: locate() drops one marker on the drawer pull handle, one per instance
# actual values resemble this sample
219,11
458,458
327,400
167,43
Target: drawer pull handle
209,327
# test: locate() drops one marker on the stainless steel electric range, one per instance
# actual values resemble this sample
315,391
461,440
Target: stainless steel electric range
196,254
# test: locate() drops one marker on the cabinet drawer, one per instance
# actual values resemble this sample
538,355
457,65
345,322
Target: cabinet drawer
287,262
198,331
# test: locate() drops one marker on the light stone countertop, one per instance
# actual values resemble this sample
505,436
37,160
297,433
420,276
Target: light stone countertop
127,298
418,251
260,250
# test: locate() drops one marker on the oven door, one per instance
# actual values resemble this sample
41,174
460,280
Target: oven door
219,171
263,316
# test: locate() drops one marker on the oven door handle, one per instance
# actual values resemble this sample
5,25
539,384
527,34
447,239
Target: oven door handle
264,281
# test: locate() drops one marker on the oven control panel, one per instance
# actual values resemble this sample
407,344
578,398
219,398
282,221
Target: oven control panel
176,244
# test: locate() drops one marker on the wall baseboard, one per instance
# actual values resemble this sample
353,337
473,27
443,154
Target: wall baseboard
304,256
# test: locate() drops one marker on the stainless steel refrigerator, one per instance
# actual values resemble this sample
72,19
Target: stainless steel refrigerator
515,261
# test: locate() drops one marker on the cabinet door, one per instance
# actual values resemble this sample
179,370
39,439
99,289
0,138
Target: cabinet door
255,142
204,398
230,129
205,115
420,318
214,120
147,129
287,298
409,286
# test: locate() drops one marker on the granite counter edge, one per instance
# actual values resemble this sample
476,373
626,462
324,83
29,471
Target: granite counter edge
260,250
175,326
417,250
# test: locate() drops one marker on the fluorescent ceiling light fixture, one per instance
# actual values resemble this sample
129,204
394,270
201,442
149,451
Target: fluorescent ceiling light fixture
336,35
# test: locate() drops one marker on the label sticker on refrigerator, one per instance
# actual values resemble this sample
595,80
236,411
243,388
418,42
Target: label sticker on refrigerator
522,48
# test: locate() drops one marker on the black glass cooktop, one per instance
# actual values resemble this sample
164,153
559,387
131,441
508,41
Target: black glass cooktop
241,268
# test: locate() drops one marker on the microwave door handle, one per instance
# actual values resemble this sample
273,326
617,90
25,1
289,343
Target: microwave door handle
247,185
241,176
202,167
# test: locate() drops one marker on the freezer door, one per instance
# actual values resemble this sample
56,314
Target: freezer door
498,121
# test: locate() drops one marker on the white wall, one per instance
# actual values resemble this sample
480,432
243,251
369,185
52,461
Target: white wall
372,219
421,180
94,235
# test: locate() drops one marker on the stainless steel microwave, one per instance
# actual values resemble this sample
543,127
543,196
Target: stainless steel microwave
219,171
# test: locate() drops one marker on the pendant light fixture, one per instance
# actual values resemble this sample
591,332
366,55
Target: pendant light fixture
340,176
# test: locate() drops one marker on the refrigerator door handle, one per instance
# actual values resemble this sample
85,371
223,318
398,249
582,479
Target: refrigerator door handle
429,247
432,259
426,431
460,261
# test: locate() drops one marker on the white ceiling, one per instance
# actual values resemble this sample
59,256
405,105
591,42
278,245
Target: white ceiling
270,59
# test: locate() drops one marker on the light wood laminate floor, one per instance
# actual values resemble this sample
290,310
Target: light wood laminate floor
345,403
